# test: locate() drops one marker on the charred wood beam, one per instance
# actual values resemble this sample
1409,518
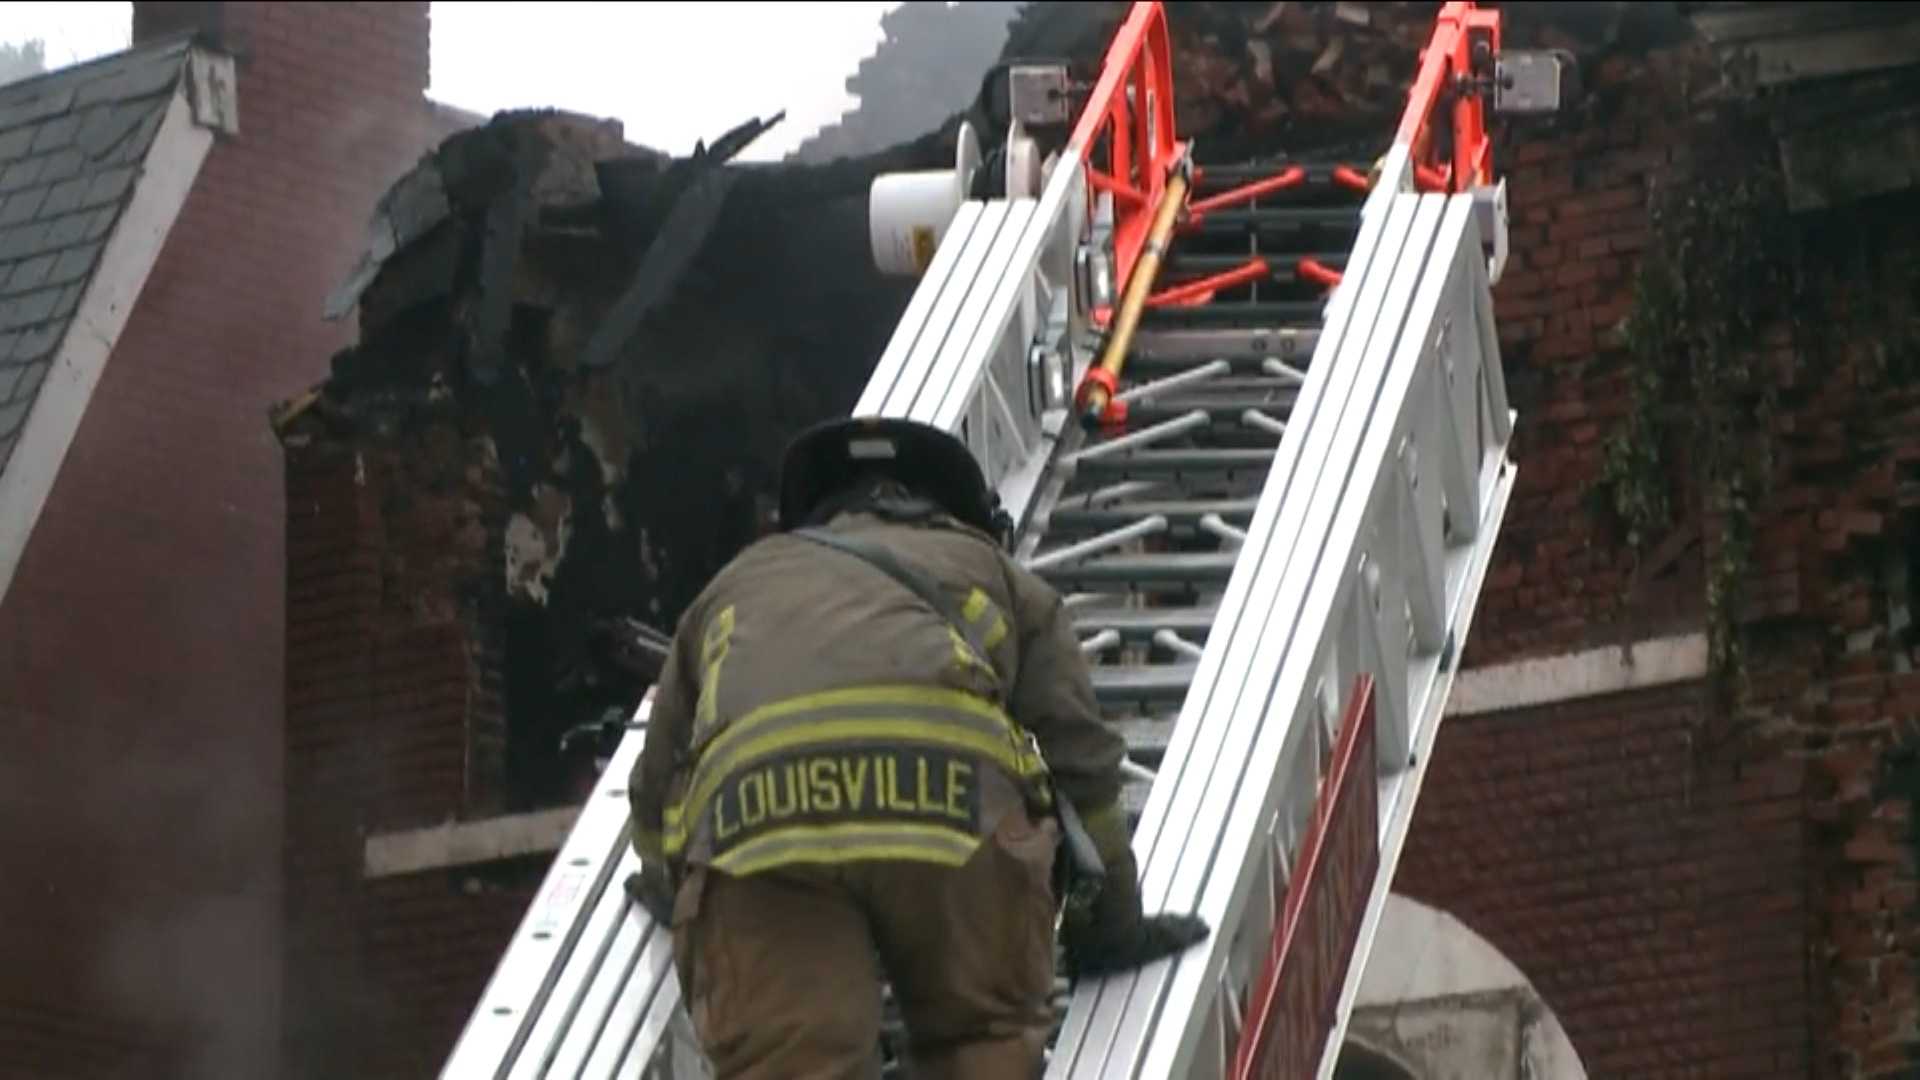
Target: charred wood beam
678,242
506,224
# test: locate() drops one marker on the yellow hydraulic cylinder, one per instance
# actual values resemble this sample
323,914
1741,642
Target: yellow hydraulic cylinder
1102,380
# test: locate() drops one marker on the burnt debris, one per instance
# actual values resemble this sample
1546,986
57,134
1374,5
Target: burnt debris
620,343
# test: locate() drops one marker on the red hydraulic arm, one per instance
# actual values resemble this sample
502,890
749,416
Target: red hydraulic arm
1448,101
1144,164
1132,106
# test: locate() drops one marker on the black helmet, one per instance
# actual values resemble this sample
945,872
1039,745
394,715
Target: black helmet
827,457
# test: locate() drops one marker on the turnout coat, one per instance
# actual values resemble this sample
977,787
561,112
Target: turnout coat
814,710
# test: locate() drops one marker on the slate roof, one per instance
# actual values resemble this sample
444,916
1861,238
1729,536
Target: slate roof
71,148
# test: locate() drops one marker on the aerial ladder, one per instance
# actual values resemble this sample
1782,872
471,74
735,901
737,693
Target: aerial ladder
1251,421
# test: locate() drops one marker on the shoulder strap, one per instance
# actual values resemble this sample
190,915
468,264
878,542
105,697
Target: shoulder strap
921,585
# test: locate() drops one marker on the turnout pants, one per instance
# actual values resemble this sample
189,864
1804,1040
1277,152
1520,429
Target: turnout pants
781,970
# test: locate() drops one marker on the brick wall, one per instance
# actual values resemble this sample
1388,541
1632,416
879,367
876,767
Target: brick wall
1658,902
1834,652
143,633
431,952
1561,578
393,700
1634,952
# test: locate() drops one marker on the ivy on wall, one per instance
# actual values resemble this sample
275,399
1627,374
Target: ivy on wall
1723,268
1730,265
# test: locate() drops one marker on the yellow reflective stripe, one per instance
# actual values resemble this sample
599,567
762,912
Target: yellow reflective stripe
978,605
975,606
912,697
724,753
717,634
848,843
713,653
673,837
963,652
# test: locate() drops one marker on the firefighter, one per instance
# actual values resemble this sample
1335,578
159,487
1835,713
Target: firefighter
857,767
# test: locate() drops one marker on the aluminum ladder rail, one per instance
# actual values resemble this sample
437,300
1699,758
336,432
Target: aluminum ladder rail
1359,567
1368,530
586,988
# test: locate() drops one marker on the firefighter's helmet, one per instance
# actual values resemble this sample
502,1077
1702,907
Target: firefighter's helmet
823,460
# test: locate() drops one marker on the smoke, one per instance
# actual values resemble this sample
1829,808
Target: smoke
142,904
204,970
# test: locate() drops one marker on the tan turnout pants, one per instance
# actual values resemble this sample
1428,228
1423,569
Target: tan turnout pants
780,976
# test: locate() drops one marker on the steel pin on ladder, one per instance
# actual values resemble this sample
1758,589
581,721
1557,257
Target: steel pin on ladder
1173,642
1150,390
1072,552
1144,437
1254,418
1279,369
1218,526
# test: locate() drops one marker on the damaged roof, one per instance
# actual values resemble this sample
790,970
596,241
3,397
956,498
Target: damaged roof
77,148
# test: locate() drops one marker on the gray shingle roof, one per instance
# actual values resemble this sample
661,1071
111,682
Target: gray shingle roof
71,147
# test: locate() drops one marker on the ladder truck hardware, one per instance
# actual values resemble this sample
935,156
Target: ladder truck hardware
1251,420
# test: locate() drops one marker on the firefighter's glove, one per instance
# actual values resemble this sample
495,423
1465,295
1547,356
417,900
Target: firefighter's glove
1111,934
651,889
1153,937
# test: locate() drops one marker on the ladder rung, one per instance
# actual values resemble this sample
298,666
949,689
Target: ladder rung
1250,344
1160,352
1142,684
1185,513
1296,311
1280,260
1291,217
1243,172
1250,386
1172,462
1140,624
1193,567
1221,415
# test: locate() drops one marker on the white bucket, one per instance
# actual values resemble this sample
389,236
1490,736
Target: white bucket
908,213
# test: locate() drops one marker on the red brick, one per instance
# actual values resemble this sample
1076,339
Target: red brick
1618,938
171,475
1595,203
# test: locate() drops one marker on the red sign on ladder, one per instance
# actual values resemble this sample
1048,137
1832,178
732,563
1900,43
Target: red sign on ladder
1292,1008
